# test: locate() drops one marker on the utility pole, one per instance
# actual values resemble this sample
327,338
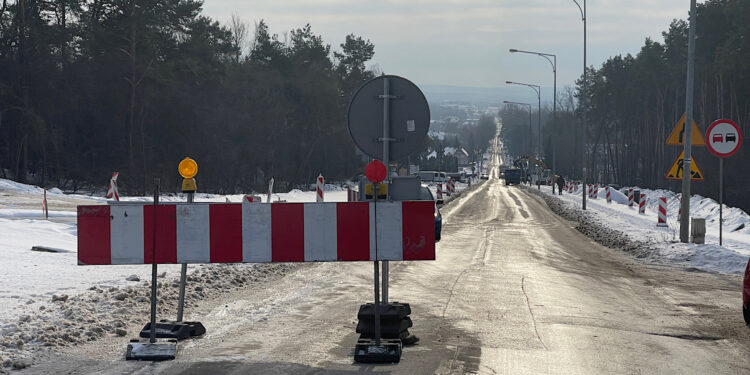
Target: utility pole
685,201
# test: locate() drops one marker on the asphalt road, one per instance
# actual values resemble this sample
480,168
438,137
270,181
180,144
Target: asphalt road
514,290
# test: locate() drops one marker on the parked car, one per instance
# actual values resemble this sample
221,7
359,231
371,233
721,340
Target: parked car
485,176
426,194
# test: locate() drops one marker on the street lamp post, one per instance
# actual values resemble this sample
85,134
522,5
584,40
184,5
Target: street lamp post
552,62
528,107
538,91
583,111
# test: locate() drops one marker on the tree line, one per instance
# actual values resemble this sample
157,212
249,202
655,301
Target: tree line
633,103
88,87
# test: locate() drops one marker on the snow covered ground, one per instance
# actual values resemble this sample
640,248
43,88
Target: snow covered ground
661,244
40,292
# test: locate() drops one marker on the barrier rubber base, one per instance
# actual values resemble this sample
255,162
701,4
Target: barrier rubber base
174,330
367,351
161,350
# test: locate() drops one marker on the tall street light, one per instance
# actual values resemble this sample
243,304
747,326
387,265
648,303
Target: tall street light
583,98
528,106
552,62
538,91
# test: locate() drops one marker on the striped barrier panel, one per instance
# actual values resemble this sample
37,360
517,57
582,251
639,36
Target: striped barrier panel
631,197
352,195
596,191
439,191
608,194
662,219
256,233
447,189
642,205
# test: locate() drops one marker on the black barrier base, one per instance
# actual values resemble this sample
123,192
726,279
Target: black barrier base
174,330
367,351
161,350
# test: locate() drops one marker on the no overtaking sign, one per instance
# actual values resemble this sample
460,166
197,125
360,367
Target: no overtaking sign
723,138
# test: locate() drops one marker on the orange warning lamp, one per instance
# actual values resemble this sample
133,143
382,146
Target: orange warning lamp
188,168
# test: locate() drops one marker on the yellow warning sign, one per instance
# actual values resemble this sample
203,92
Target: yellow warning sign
677,135
675,173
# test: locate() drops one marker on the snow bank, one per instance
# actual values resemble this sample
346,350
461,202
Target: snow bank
623,228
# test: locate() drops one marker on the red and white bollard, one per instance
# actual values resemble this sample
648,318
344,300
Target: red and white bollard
596,191
112,190
319,186
439,191
662,220
608,194
453,186
447,189
270,190
679,212
630,197
45,209
642,205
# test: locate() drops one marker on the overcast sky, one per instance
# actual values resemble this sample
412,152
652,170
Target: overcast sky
466,42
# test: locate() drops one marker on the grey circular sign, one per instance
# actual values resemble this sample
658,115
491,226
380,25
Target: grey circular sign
409,117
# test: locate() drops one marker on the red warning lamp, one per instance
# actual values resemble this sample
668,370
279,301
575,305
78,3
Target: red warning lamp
376,171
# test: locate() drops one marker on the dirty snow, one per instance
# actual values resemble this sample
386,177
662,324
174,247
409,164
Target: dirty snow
48,301
619,226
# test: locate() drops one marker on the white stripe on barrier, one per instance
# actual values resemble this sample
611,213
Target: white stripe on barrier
373,240
256,226
193,233
390,227
320,232
126,233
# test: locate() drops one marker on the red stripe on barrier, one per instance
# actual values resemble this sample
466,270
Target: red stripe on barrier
225,233
287,232
353,231
418,240
93,235
166,233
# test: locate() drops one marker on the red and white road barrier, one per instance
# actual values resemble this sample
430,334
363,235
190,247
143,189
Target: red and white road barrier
319,187
112,189
452,183
253,199
250,233
439,191
447,188
596,191
679,211
352,195
642,205
662,220
608,194
631,197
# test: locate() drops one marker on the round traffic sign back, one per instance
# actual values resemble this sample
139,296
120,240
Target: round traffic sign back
408,117
723,138
376,171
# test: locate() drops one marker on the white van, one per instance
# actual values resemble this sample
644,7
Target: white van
432,176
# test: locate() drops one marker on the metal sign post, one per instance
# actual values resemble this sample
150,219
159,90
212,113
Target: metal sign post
386,151
183,276
723,138
152,350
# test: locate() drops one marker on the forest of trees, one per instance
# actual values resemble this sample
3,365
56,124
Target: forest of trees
634,102
88,87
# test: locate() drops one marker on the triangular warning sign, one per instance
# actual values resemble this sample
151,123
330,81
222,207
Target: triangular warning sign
675,172
675,138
